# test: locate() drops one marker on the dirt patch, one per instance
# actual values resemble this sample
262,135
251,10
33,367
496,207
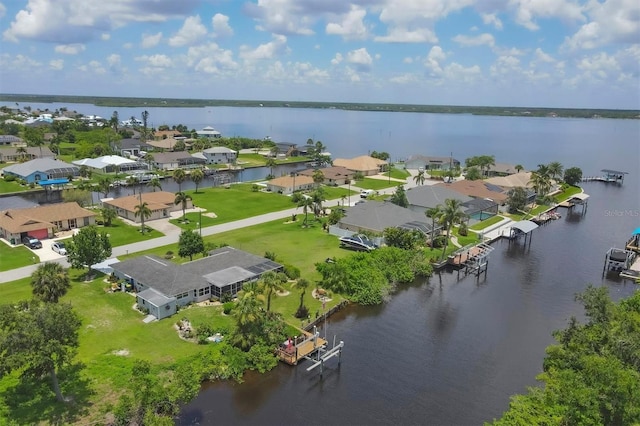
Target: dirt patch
121,352
213,215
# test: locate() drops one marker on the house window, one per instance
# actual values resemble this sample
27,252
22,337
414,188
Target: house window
182,296
73,223
203,291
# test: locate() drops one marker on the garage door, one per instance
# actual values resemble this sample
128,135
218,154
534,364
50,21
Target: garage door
40,234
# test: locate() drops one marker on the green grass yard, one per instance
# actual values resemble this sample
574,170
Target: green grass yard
486,223
15,257
121,233
376,184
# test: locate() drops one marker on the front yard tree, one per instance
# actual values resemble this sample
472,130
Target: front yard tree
108,215
50,282
179,176
434,214
473,173
307,204
399,198
38,339
450,215
517,199
573,175
270,282
190,243
302,284
197,176
182,199
89,246
144,212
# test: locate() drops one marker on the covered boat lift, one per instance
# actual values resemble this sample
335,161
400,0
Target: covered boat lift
523,227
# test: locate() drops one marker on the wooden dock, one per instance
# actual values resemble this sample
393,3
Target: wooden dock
300,348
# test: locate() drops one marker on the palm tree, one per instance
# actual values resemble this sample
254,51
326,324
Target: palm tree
270,282
104,185
318,177
108,215
155,183
50,282
145,120
434,214
419,178
23,153
179,176
302,284
114,121
197,176
306,203
318,197
343,198
555,170
249,316
451,214
271,162
541,180
144,212
183,199
133,181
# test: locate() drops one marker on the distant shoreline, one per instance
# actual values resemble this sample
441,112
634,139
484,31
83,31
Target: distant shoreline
126,102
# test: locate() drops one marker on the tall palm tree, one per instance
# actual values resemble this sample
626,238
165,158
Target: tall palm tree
419,178
555,170
307,204
179,176
144,212
108,215
155,183
434,214
104,185
50,282
318,177
270,282
302,284
451,214
541,180
249,317
197,176
318,198
343,198
271,163
519,168
133,181
183,199
23,153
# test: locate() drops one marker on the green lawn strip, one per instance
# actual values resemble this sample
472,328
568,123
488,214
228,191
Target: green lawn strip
440,173
398,173
251,160
15,257
535,211
8,187
335,193
375,184
567,193
486,223
121,234
471,238
15,291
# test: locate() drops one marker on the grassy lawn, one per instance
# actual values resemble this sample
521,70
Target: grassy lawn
398,173
251,160
440,173
376,184
121,233
486,223
567,193
334,192
8,187
234,203
535,211
14,257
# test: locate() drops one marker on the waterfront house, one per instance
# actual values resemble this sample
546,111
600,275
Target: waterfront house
219,155
166,134
169,144
376,216
133,147
11,140
289,184
41,169
43,221
162,285
12,155
176,160
427,163
209,133
109,163
286,149
364,164
501,169
478,189
334,176
424,197
161,204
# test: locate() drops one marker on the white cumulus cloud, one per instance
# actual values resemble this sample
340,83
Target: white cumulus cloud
479,40
70,49
151,40
276,47
56,64
350,25
221,27
360,58
192,31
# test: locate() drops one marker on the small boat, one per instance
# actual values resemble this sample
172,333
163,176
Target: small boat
358,242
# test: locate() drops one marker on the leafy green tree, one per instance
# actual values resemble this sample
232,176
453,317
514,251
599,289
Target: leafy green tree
318,177
450,215
142,211
249,317
182,199
406,239
89,246
335,216
190,243
516,199
270,282
541,180
80,196
34,137
380,155
197,176
473,173
573,175
108,215
179,176
271,163
50,282
399,197
114,121
318,198
104,185
519,168
38,339
419,178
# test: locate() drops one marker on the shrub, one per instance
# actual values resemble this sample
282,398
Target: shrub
462,230
10,178
292,272
439,241
270,255
227,307
302,312
168,255
255,188
226,297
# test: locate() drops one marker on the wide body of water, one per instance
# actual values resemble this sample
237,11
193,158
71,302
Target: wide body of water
450,349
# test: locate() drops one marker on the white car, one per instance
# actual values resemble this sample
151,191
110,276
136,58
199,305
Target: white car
59,248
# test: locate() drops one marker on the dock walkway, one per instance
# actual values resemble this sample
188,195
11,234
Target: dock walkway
301,347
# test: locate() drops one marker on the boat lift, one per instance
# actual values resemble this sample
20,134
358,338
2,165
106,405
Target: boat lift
322,355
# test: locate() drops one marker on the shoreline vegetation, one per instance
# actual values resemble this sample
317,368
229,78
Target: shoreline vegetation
123,102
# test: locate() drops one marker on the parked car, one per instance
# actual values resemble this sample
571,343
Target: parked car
59,248
367,193
31,242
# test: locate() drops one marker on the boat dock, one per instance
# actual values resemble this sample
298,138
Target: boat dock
608,176
472,258
301,347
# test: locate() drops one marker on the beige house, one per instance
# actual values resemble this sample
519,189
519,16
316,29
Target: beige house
160,203
12,155
365,164
522,179
43,221
288,184
334,176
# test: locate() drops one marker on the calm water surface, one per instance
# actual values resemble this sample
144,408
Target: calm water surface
451,349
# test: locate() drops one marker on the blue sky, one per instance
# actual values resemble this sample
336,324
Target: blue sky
548,53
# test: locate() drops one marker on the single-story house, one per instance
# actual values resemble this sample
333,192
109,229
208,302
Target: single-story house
478,189
108,163
219,155
133,147
426,197
13,154
16,202
289,184
160,203
41,169
501,169
168,144
287,149
43,221
376,216
176,160
431,163
335,175
225,270
10,140
522,179
165,134
365,164
208,132
479,209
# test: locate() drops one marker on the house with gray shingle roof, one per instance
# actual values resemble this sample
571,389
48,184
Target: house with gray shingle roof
426,197
41,169
219,155
375,216
162,285
14,154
